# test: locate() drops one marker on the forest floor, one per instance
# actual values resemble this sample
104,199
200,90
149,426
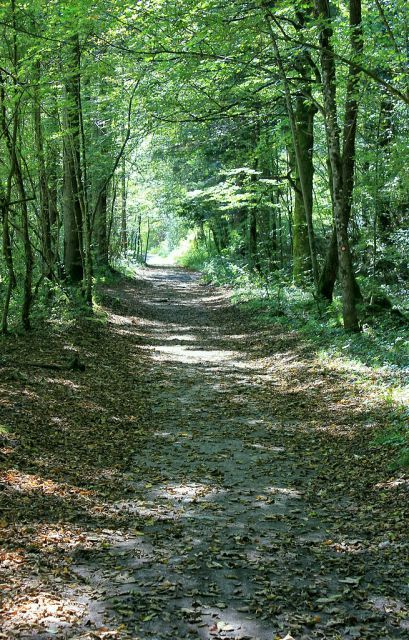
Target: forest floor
204,477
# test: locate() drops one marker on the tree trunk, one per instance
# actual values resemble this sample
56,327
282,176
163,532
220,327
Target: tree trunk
346,276
8,259
302,216
5,215
147,242
28,251
101,228
304,248
72,210
296,138
139,246
329,271
82,182
330,268
124,232
45,213
252,238
100,180
16,171
215,238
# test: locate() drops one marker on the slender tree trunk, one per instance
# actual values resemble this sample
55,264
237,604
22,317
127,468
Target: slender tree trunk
5,197
329,271
280,236
139,247
45,217
274,243
295,134
252,213
101,228
5,212
304,246
101,200
52,172
350,316
111,214
83,185
147,242
385,206
8,259
253,238
135,244
16,171
215,239
73,218
330,268
302,220
28,251
100,182
124,232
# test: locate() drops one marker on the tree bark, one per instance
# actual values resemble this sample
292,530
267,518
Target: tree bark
8,258
330,268
295,134
45,213
252,237
302,215
340,209
124,231
5,214
101,228
16,171
101,140
72,210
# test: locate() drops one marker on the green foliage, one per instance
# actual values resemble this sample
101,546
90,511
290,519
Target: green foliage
4,429
396,439
222,270
210,147
191,255
59,304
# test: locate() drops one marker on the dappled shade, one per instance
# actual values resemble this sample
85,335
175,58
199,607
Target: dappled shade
198,478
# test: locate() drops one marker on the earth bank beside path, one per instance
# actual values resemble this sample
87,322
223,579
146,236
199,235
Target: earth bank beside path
205,477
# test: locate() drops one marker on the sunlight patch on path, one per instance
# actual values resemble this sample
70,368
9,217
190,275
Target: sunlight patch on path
180,353
187,492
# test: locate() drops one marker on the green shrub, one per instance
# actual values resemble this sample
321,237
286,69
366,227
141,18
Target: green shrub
194,258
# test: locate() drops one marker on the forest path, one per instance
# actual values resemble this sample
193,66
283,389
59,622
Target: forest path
228,490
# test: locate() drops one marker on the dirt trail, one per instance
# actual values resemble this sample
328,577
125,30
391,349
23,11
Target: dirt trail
251,506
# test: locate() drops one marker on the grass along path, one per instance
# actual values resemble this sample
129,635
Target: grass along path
203,478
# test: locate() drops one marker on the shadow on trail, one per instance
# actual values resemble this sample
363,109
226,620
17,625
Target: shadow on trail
229,488
237,544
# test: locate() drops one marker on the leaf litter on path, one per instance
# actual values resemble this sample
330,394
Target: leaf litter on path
197,480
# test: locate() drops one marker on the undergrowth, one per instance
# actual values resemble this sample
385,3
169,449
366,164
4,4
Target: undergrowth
59,304
377,358
190,254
